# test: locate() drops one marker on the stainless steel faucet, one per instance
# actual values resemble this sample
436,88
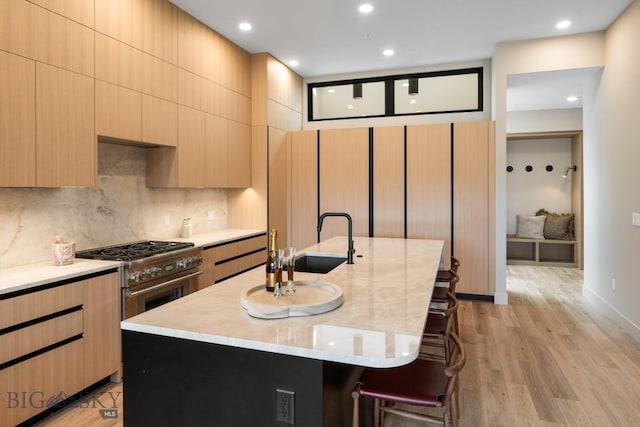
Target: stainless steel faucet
351,250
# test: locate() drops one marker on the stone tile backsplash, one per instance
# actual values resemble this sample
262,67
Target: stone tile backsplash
119,209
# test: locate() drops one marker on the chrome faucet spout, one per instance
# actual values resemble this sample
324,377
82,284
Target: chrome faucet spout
351,249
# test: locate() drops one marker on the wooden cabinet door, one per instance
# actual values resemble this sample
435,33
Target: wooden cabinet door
473,168
278,184
102,352
39,379
216,136
191,148
118,112
238,155
65,131
207,268
429,182
304,188
388,181
159,121
17,121
344,180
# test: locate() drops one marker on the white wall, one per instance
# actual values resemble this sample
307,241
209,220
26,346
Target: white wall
611,157
119,209
529,191
529,56
544,120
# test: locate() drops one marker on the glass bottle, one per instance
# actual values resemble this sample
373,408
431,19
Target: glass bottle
270,280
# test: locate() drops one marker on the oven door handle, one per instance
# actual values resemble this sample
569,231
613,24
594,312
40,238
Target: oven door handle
161,285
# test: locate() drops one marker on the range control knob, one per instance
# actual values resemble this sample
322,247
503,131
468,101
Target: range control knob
182,263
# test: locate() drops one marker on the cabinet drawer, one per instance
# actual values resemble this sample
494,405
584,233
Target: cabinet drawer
29,339
40,380
227,269
22,308
240,247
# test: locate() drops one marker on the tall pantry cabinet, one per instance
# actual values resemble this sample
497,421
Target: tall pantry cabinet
425,181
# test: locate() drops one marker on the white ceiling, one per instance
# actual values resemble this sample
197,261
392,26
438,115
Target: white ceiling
330,37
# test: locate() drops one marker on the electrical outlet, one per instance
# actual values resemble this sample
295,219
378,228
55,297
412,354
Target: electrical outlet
613,285
211,215
285,406
635,219
167,220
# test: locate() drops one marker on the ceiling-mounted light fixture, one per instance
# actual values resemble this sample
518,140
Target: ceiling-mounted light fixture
569,169
413,87
357,90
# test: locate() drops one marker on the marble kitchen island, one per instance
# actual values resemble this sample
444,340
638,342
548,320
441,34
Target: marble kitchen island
202,360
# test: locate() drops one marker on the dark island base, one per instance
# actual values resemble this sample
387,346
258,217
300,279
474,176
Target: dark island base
178,382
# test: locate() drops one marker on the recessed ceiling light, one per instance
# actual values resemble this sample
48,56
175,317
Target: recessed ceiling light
331,90
563,25
294,63
350,106
572,98
245,26
413,101
405,84
388,52
365,8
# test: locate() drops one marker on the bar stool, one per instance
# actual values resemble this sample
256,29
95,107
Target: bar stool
450,277
435,336
439,295
421,383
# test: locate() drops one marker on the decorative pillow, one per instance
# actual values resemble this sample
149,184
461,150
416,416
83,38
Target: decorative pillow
530,227
558,226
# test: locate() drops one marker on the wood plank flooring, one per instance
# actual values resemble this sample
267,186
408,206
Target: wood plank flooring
547,359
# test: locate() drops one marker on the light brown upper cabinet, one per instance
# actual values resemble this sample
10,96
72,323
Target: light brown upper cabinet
473,207
33,32
17,121
227,153
65,134
159,121
183,166
118,112
148,25
216,148
238,155
78,11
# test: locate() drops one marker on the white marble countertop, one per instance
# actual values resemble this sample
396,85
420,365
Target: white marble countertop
219,236
40,273
386,296
27,276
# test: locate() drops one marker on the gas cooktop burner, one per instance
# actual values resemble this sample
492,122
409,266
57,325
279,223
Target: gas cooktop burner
132,251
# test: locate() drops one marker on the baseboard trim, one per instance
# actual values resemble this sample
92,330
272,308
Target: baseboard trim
501,298
474,297
608,310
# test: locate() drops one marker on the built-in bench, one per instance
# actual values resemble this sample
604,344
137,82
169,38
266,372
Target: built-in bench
522,251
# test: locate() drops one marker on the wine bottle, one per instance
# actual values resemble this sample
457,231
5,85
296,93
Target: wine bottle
270,281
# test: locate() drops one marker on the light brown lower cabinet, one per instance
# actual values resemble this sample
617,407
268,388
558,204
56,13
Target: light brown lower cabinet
56,340
224,260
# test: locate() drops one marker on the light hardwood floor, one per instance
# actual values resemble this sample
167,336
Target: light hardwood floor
547,359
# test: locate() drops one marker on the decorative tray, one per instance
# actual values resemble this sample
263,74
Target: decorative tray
310,297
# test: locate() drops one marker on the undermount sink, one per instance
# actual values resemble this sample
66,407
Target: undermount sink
318,263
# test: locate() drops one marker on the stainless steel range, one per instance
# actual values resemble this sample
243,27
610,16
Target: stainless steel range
153,272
